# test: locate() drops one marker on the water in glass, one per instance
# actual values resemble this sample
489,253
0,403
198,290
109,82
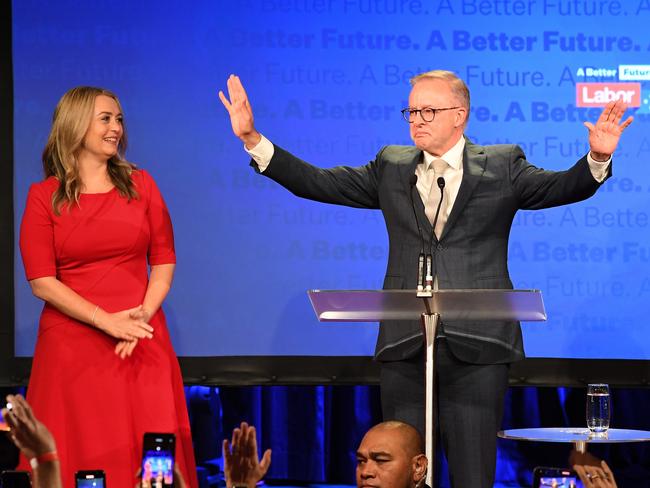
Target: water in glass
598,408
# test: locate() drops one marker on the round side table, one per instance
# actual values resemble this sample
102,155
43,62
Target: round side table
580,437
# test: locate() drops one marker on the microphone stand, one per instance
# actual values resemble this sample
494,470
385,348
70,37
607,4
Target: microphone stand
428,283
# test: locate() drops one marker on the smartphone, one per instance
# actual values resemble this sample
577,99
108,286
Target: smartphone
556,478
3,423
15,479
158,451
90,479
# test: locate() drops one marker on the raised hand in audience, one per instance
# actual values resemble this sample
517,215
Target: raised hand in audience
242,466
595,476
593,472
34,440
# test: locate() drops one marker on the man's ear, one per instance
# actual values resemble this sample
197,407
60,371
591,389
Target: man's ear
461,117
419,465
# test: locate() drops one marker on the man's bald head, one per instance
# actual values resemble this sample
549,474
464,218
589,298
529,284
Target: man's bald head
407,435
391,454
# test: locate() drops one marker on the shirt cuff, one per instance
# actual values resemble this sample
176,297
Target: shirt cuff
262,153
599,169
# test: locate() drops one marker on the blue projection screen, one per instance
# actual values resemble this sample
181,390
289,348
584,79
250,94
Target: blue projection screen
327,79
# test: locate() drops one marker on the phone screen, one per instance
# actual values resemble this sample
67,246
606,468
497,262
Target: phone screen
90,479
556,478
3,424
559,482
98,483
15,479
158,459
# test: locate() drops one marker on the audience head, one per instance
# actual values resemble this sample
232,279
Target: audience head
391,455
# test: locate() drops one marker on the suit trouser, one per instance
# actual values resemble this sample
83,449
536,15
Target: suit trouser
470,409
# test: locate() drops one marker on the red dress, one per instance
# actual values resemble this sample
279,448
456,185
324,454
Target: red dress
97,405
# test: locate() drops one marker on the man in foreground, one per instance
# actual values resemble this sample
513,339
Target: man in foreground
391,455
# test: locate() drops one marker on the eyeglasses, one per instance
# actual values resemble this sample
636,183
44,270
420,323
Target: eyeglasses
427,114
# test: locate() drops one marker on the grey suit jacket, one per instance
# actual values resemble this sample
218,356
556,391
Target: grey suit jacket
473,249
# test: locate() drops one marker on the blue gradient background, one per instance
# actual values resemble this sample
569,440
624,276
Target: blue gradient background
247,249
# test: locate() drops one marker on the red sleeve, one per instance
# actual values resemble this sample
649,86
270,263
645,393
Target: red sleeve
37,234
161,243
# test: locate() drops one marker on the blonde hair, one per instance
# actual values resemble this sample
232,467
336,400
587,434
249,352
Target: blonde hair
72,117
458,86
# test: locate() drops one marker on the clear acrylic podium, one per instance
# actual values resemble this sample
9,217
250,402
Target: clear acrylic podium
382,305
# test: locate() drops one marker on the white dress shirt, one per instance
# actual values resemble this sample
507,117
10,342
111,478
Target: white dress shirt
453,175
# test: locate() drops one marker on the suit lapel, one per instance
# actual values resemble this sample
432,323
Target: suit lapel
407,169
474,160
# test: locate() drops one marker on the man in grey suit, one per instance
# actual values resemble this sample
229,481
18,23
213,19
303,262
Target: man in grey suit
484,186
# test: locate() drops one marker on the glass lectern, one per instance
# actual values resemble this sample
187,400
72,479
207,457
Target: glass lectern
430,308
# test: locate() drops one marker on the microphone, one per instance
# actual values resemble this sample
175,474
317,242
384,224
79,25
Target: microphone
429,258
413,181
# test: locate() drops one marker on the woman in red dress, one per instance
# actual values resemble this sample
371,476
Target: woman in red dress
104,370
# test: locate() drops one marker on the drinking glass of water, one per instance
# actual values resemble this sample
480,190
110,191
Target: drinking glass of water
598,408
